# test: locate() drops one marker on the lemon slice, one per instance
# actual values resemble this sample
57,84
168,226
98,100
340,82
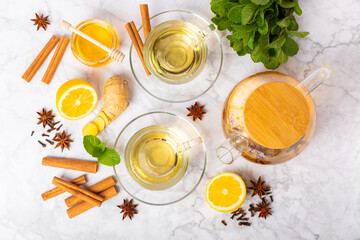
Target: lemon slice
225,192
76,99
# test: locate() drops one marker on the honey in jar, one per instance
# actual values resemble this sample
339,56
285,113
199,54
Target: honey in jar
87,52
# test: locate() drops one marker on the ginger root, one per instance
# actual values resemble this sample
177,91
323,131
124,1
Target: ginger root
90,129
116,100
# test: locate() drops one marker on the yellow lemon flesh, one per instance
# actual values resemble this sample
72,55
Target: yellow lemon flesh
76,99
225,192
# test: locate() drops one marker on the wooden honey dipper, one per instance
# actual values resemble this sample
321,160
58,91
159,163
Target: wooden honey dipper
115,54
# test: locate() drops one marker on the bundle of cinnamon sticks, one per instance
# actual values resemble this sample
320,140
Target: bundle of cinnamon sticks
82,199
44,53
135,36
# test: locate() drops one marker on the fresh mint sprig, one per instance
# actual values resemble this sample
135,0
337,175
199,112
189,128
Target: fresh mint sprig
106,156
261,28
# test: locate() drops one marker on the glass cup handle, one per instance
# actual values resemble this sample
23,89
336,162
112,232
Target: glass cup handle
206,31
316,78
189,144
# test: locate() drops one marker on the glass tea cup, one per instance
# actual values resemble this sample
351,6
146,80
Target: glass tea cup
185,76
163,158
175,51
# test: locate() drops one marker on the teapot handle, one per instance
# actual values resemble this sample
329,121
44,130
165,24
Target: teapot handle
232,148
315,79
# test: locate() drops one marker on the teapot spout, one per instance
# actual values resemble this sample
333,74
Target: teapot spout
315,79
232,148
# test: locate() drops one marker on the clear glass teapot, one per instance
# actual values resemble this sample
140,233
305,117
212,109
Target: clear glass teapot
269,117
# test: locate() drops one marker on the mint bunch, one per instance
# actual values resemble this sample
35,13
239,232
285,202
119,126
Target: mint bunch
260,28
96,148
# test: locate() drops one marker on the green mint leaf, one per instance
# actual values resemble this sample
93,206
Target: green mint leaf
235,14
93,145
247,49
231,39
283,57
237,46
264,58
239,35
244,2
273,52
244,28
225,24
248,13
290,47
246,39
287,4
251,41
241,53
216,20
221,7
217,7
283,22
275,30
263,42
260,2
260,21
266,6
298,10
109,157
272,64
294,26
255,53
263,29
277,44
297,34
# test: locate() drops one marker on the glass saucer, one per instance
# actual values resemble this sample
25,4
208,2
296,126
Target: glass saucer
190,90
196,159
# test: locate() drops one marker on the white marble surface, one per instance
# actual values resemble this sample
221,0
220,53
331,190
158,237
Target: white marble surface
317,194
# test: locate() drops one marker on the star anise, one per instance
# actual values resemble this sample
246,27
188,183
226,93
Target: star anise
62,140
259,188
128,209
40,21
45,117
263,209
196,111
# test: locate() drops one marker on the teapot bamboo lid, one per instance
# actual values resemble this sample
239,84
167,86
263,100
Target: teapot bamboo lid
276,115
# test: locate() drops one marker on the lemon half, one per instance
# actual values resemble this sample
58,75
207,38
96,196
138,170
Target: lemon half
76,99
225,192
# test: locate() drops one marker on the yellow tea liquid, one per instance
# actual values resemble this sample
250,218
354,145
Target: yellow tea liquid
87,52
176,50
152,157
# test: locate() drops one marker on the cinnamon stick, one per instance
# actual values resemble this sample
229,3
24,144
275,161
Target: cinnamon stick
137,47
55,60
40,58
79,192
137,36
84,206
96,188
73,164
144,10
57,191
